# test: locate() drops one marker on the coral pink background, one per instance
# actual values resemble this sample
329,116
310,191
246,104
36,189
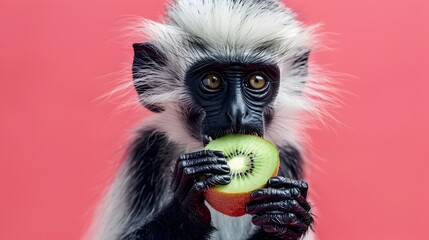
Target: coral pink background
59,144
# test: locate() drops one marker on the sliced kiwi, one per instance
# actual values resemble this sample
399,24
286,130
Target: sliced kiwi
253,160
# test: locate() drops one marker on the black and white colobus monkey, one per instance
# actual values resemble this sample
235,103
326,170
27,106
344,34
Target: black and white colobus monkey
214,67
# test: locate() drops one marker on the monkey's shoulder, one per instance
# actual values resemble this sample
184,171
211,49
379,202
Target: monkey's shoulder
150,157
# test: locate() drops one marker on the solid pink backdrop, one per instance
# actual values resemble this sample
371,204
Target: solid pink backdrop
60,145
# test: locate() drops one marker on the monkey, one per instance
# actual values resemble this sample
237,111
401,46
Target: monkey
211,68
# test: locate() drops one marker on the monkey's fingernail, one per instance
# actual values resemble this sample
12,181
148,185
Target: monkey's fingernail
304,185
206,139
225,167
273,181
221,160
249,208
219,153
256,194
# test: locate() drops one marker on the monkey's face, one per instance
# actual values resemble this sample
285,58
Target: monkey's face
231,98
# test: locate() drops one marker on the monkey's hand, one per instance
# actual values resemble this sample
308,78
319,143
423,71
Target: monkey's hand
194,173
281,209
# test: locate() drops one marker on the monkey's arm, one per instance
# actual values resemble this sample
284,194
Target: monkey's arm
281,209
184,216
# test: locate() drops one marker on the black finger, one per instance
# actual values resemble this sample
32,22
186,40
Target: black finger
205,184
177,175
274,194
206,139
207,169
280,181
201,161
288,219
184,184
201,154
219,153
285,206
212,181
283,230
303,202
274,228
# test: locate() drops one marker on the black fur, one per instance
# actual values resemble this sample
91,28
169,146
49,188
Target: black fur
291,165
150,158
172,223
146,56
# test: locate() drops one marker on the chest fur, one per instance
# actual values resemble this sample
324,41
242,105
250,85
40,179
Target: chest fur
231,228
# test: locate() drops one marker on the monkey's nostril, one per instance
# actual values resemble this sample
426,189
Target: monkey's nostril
235,119
229,117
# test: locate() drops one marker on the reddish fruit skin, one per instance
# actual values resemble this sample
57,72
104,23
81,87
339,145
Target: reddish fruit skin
232,204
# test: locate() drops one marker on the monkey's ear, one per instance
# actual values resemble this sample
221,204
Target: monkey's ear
146,58
299,66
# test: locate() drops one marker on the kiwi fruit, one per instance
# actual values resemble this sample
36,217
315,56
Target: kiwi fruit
253,160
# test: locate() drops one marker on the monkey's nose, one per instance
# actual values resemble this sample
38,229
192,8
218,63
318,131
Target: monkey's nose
238,114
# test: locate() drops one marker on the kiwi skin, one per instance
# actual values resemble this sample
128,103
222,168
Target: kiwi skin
233,204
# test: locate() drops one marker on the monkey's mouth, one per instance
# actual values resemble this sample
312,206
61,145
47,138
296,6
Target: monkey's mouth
218,133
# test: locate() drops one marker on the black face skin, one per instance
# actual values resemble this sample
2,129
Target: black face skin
232,98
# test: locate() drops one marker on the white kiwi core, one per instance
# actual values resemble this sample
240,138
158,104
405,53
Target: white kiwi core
236,164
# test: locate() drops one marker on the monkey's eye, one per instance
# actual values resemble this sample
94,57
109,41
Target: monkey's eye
256,81
212,81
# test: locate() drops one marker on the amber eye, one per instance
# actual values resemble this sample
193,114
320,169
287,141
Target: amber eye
212,81
256,82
